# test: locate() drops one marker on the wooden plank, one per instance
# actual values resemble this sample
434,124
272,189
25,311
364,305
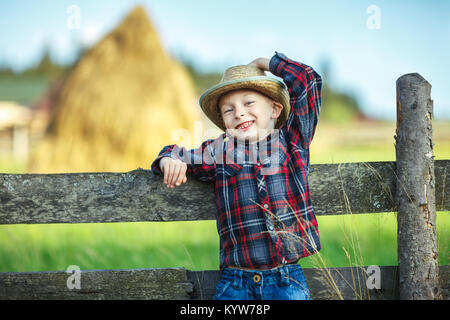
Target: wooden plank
442,184
349,287
156,284
178,283
350,282
347,188
100,197
140,196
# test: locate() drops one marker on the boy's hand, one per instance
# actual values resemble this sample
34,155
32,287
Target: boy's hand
174,171
262,63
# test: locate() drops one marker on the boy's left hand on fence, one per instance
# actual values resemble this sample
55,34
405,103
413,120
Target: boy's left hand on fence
174,172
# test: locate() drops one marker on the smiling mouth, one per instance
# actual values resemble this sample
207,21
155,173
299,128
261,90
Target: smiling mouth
245,125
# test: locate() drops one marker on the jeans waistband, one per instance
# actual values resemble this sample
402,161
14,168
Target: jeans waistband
281,275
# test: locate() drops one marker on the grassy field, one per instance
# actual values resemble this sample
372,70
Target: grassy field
369,239
193,245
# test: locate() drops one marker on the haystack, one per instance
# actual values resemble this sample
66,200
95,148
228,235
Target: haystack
119,105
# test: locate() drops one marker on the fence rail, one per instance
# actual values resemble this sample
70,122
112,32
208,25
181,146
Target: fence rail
179,283
362,187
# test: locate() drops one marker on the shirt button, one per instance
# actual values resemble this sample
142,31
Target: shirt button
271,228
266,206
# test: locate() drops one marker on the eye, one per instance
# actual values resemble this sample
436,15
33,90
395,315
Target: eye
249,103
227,111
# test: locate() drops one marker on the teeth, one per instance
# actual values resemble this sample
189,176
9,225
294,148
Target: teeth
245,125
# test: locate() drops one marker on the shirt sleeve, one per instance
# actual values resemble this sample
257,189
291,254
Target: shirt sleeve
305,86
200,161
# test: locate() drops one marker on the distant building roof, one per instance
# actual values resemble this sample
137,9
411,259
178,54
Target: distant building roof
13,114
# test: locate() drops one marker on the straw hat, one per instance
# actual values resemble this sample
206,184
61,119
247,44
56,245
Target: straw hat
245,77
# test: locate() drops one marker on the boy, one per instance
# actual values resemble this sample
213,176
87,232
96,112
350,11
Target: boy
265,218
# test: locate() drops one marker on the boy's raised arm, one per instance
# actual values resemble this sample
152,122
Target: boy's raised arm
305,86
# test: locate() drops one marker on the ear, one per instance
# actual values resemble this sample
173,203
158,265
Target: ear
277,107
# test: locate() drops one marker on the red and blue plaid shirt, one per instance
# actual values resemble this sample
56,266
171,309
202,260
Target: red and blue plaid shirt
264,212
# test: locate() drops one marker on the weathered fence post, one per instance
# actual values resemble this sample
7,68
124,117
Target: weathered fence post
417,250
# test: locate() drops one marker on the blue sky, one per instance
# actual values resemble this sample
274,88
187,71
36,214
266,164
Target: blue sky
413,36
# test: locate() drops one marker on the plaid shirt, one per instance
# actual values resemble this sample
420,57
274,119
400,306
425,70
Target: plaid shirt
264,212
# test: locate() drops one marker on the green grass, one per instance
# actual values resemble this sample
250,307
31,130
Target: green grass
108,246
8,165
195,245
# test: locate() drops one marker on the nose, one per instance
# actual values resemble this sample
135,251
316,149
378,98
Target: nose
239,112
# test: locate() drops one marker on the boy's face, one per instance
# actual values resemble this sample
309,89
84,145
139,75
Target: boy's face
248,114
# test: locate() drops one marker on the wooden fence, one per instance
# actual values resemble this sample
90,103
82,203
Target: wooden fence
345,188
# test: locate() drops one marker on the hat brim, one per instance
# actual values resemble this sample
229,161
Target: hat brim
271,87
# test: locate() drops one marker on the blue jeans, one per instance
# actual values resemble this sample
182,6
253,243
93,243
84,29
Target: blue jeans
283,283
